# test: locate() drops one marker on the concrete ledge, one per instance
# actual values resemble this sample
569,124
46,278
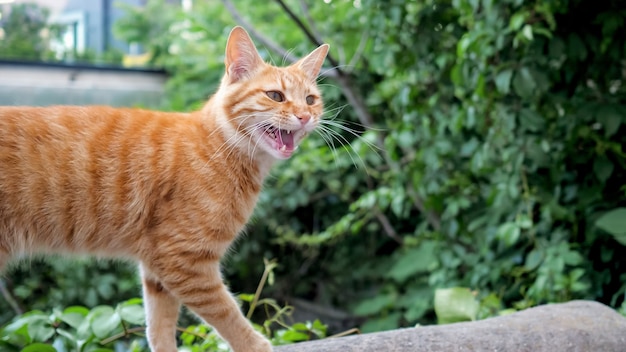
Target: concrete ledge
42,84
573,327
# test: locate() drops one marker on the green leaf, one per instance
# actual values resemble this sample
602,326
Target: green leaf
246,297
603,168
375,304
610,118
614,222
295,336
69,336
517,20
40,330
104,321
527,31
455,304
463,45
132,313
39,347
509,233
524,83
17,333
533,259
524,221
414,261
387,322
456,75
74,316
503,81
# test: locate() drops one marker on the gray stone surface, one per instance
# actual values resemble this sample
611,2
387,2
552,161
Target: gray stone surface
573,327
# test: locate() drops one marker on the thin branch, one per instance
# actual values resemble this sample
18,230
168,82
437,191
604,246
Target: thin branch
359,50
346,333
308,33
387,227
273,46
432,217
250,28
270,265
9,298
309,19
355,99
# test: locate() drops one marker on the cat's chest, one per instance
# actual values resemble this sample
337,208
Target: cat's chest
222,199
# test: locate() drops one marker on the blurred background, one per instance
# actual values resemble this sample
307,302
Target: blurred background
476,144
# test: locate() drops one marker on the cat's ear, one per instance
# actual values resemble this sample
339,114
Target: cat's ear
242,58
312,63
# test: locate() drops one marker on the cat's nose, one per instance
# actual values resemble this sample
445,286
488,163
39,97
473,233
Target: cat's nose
304,118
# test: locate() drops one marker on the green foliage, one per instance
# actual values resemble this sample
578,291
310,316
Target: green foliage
39,285
455,304
614,222
23,32
494,162
106,328
75,329
497,156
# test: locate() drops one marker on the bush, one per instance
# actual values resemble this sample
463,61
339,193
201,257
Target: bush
481,148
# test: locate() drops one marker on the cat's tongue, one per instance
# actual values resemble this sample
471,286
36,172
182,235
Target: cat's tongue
285,141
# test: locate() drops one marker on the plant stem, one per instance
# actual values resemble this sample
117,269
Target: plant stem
269,266
9,298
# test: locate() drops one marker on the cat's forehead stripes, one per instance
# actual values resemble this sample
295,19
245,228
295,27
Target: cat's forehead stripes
296,84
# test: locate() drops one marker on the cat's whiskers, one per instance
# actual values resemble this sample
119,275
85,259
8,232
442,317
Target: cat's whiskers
330,143
227,145
258,140
331,133
248,132
252,128
328,134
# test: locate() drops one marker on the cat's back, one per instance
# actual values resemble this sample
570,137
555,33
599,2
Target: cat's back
51,141
70,174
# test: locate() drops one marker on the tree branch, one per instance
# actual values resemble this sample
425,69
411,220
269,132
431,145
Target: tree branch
273,46
309,19
9,298
387,227
250,28
307,32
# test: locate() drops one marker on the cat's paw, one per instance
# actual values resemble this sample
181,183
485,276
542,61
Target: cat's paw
261,344
253,342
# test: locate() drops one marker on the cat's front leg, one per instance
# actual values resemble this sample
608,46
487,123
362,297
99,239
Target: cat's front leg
161,313
198,285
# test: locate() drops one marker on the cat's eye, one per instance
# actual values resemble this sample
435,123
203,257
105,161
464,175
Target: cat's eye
276,96
310,100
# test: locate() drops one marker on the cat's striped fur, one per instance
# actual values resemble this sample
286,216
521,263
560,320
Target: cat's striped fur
169,190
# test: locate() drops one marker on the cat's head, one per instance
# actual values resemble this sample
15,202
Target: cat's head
269,109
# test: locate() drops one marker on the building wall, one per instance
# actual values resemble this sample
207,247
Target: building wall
99,17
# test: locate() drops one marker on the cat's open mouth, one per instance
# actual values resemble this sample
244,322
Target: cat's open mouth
285,142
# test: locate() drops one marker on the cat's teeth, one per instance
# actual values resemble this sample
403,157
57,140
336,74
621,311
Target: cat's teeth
288,132
283,148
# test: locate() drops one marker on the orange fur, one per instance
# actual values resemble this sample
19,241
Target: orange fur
169,190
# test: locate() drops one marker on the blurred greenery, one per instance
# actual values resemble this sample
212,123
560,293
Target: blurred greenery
481,149
24,32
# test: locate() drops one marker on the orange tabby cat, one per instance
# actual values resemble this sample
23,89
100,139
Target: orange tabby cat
169,190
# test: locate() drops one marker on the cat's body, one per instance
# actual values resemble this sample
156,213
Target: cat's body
169,190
